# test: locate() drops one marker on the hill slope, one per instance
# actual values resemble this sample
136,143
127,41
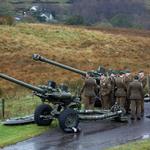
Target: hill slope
77,47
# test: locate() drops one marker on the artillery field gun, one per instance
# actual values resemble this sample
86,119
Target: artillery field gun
61,104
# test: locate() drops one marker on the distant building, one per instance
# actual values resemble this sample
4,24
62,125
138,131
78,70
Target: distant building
34,8
47,17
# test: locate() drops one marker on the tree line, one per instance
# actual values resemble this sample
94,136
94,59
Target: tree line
112,13
122,13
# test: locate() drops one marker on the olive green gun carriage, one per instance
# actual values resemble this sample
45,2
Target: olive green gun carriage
56,104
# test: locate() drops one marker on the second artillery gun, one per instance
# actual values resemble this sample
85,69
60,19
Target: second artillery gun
115,112
93,73
57,103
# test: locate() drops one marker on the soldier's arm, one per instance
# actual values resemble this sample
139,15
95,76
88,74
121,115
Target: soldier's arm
82,89
142,91
144,82
96,88
109,87
128,91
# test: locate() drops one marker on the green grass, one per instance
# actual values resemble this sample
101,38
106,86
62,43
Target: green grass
13,134
17,106
139,145
20,106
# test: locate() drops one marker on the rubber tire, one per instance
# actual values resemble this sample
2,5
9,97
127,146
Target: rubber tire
39,111
63,117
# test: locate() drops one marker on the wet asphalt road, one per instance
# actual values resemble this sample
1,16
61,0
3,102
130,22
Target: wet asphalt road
95,135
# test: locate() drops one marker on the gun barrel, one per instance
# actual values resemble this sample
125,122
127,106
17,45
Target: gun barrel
29,86
40,58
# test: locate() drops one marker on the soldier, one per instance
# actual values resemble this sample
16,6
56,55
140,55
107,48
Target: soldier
143,80
88,92
120,92
105,91
135,94
113,85
127,78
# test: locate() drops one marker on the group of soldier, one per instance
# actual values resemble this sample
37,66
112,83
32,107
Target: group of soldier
122,88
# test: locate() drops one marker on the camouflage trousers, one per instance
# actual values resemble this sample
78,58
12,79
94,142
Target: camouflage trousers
106,102
142,107
136,108
88,102
121,101
127,105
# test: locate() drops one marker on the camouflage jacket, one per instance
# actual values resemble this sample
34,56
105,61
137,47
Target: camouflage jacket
143,81
89,88
135,90
120,87
127,80
105,87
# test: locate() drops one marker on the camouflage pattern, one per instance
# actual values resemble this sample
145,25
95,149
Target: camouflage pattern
143,81
128,78
112,94
136,109
120,92
105,91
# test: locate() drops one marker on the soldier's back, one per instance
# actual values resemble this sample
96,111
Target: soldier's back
90,87
135,90
121,88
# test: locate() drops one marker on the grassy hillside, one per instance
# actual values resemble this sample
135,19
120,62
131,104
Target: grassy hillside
77,47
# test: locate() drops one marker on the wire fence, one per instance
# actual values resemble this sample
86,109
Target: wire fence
2,108
18,107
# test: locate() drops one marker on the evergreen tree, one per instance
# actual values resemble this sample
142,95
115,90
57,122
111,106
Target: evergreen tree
6,9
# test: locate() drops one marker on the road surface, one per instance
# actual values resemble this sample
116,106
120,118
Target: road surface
95,135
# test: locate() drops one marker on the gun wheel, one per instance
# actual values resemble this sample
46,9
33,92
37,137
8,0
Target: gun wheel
42,115
68,119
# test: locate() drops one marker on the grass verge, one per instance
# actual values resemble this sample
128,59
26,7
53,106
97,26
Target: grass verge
19,106
139,145
13,134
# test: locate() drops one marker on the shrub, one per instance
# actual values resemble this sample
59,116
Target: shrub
29,19
6,13
75,20
103,24
6,20
121,21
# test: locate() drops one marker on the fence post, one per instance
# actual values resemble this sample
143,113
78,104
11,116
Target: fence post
148,84
3,107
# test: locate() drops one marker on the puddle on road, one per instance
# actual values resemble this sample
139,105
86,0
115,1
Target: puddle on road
146,136
143,137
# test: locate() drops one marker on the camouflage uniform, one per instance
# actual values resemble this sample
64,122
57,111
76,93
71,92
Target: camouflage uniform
143,80
135,94
105,91
112,95
88,93
128,79
120,92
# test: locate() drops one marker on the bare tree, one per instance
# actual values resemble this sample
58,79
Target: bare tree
97,10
